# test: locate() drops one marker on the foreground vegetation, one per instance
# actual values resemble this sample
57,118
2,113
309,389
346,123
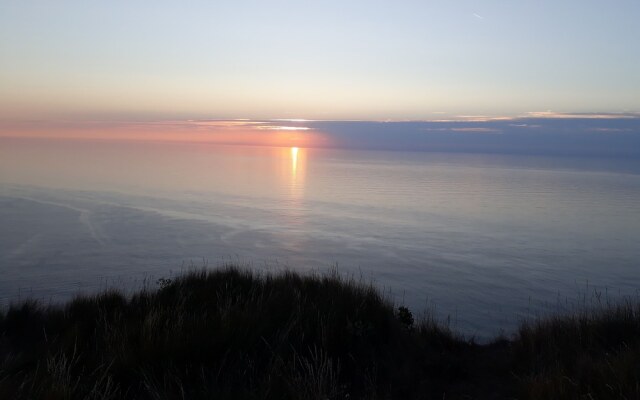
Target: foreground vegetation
233,334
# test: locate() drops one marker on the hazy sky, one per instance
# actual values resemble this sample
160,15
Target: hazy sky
316,59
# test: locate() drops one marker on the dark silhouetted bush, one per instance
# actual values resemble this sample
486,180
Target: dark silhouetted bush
235,334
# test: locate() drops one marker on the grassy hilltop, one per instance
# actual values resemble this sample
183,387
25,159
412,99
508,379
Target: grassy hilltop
234,334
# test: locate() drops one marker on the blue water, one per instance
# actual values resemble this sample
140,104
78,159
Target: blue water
483,241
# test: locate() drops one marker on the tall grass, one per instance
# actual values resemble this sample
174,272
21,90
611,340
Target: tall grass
591,354
235,334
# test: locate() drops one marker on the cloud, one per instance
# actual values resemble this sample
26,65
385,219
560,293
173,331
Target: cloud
547,133
463,129
283,128
479,118
559,115
482,134
476,129
525,126
600,129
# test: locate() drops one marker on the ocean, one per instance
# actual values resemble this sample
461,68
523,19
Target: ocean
484,241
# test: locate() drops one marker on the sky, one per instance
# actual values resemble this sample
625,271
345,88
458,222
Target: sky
324,60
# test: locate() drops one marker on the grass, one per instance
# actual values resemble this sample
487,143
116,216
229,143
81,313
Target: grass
588,355
235,334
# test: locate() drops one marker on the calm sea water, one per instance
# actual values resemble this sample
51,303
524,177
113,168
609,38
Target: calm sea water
483,240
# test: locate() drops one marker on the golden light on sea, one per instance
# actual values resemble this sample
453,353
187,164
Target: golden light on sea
294,160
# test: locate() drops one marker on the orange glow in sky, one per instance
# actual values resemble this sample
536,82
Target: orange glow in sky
236,132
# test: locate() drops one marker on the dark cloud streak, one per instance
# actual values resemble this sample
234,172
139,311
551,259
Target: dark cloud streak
606,137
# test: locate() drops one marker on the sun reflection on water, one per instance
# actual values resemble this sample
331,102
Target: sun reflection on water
296,176
294,161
